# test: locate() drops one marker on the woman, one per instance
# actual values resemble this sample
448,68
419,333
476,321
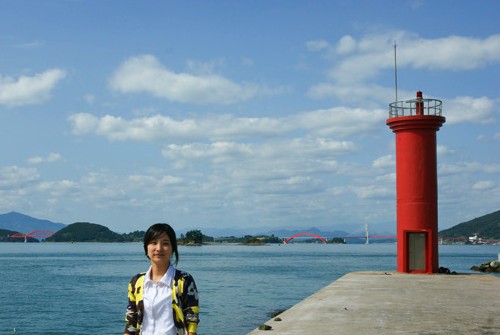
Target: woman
162,300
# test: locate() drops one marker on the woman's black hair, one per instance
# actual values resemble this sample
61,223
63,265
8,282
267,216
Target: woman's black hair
155,231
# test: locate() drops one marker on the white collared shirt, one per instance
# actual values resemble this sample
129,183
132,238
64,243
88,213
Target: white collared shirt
158,314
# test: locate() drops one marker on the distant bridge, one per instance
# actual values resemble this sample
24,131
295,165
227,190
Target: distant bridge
366,236
38,234
324,239
305,234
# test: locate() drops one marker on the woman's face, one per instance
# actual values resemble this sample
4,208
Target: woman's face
160,250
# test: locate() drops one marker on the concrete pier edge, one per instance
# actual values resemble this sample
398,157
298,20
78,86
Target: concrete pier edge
376,302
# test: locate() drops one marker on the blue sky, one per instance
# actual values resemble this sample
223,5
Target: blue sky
240,114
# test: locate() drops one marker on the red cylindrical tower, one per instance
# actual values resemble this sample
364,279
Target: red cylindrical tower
415,123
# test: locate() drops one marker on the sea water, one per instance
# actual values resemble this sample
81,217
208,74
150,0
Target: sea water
81,288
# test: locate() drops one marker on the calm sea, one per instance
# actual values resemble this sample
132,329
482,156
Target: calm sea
81,288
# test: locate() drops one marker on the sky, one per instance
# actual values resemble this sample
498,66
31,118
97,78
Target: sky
245,115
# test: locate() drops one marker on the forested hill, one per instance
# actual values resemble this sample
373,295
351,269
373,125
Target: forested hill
88,232
486,226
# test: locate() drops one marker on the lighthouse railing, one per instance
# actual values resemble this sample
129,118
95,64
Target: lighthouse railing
415,107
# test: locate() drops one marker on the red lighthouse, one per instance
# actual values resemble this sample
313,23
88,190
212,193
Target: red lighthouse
415,123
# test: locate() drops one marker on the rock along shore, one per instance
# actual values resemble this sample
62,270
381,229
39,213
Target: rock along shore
491,267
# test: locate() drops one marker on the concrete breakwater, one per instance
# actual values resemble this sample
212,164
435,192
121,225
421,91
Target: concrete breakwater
395,303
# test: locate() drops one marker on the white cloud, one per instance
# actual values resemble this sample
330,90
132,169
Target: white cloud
389,178
456,110
203,68
346,45
468,167
339,122
58,188
375,52
216,151
27,90
384,162
17,178
356,62
154,128
52,157
272,150
483,185
442,150
83,123
373,192
451,53
468,109
146,74
151,183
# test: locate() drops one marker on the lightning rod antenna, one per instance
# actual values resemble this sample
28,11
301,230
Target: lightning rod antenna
395,72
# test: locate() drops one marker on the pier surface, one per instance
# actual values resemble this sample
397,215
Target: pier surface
396,303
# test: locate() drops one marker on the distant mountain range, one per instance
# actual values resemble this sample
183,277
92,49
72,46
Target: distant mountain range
26,224
487,226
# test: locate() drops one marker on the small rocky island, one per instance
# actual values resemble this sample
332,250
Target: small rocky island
492,266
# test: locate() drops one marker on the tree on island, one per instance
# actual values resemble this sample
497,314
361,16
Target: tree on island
192,237
253,240
337,240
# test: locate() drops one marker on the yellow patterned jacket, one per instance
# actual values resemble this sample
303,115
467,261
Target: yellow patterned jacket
184,304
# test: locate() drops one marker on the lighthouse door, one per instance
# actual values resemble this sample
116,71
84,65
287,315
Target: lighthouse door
417,252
